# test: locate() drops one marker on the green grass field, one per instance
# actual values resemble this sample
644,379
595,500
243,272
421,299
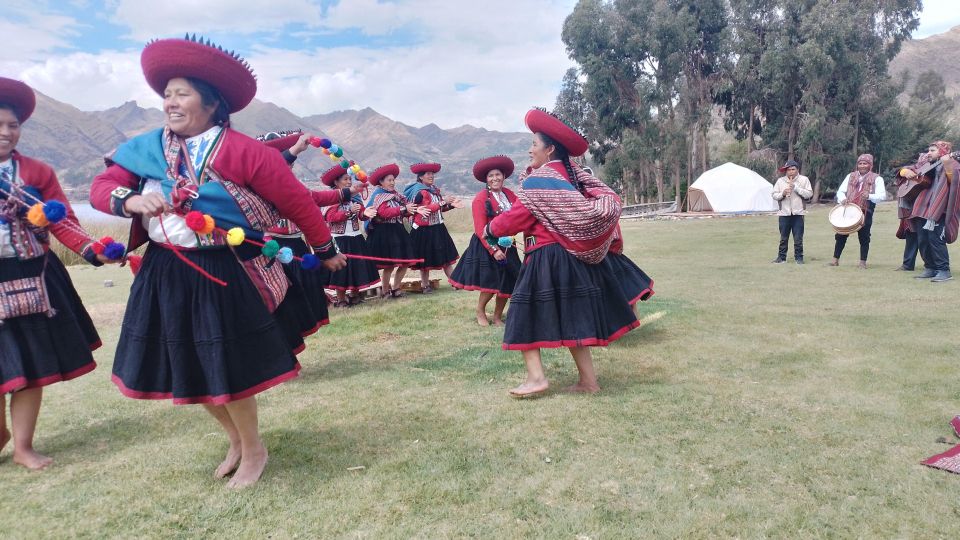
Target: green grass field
756,400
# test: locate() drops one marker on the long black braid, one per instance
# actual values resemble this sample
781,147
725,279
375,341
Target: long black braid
562,154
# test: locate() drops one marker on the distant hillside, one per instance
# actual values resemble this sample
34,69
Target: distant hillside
74,142
934,52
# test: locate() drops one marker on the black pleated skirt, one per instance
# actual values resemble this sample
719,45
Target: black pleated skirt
191,340
560,301
359,274
37,350
477,270
434,245
307,300
636,284
391,241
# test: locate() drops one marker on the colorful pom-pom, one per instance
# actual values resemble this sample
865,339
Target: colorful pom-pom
345,164
325,143
285,255
334,149
326,152
98,247
134,261
333,158
114,251
338,152
309,262
194,220
55,211
505,241
36,217
314,142
236,236
208,225
355,168
362,176
270,249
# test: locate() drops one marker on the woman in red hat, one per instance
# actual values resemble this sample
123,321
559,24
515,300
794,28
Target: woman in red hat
566,294
386,236
430,239
490,268
46,335
205,320
345,220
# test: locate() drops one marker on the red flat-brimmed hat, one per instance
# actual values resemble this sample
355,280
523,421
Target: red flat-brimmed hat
380,173
484,166
540,121
231,75
420,168
19,95
281,140
332,174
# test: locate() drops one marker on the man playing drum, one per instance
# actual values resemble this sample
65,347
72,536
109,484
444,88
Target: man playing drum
864,188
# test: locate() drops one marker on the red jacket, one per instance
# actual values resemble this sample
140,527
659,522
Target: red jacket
248,163
68,231
425,198
519,219
482,214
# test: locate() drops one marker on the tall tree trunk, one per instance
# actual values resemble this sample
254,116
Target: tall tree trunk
658,172
792,133
676,185
856,134
751,144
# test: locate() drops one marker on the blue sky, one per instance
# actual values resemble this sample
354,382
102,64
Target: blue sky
449,62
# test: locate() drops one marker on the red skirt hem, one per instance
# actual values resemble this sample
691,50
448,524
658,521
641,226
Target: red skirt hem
475,288
585,342
21,383
210,400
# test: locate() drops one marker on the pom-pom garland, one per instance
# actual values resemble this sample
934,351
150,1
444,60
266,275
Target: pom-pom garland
36,216
270,249
285,255
54,211
309,261
505,241
236,236
114,251
195,220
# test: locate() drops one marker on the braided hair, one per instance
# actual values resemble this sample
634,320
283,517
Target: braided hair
561,153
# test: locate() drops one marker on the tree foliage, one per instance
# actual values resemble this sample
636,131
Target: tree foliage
803,79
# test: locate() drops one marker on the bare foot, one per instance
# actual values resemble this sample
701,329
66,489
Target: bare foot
498,322
230,462
581,388
530,389
482,320
31,459
4,439
250,469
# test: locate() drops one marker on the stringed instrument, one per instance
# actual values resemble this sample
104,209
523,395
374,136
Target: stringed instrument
912,187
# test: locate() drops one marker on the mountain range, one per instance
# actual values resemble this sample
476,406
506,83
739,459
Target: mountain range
74,142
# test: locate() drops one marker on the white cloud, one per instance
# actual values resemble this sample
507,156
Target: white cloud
31,33
508,54
150,19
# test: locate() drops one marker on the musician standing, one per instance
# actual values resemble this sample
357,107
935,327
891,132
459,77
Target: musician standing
905,199
936,213
864,188
791,192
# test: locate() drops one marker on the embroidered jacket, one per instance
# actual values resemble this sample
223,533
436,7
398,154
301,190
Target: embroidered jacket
29,241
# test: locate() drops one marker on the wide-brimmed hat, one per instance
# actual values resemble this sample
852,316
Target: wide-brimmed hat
194,57
540,121
484,166
332,174
420,168
382,172
281,140
19,95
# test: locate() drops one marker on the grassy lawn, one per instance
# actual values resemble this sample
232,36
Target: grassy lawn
756,400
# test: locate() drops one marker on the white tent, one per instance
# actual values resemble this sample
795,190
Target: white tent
730,188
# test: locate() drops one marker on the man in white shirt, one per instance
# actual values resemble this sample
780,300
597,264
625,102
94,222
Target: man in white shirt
864,188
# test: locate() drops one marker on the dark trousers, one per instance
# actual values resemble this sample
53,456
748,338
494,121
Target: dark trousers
933,247
863,235
910,250
790,224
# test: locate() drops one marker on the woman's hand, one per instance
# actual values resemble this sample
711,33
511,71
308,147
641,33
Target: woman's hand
336,262
370,213
423,211
499,255
152,204
302,143
411,208
355,208
456,202
105,260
